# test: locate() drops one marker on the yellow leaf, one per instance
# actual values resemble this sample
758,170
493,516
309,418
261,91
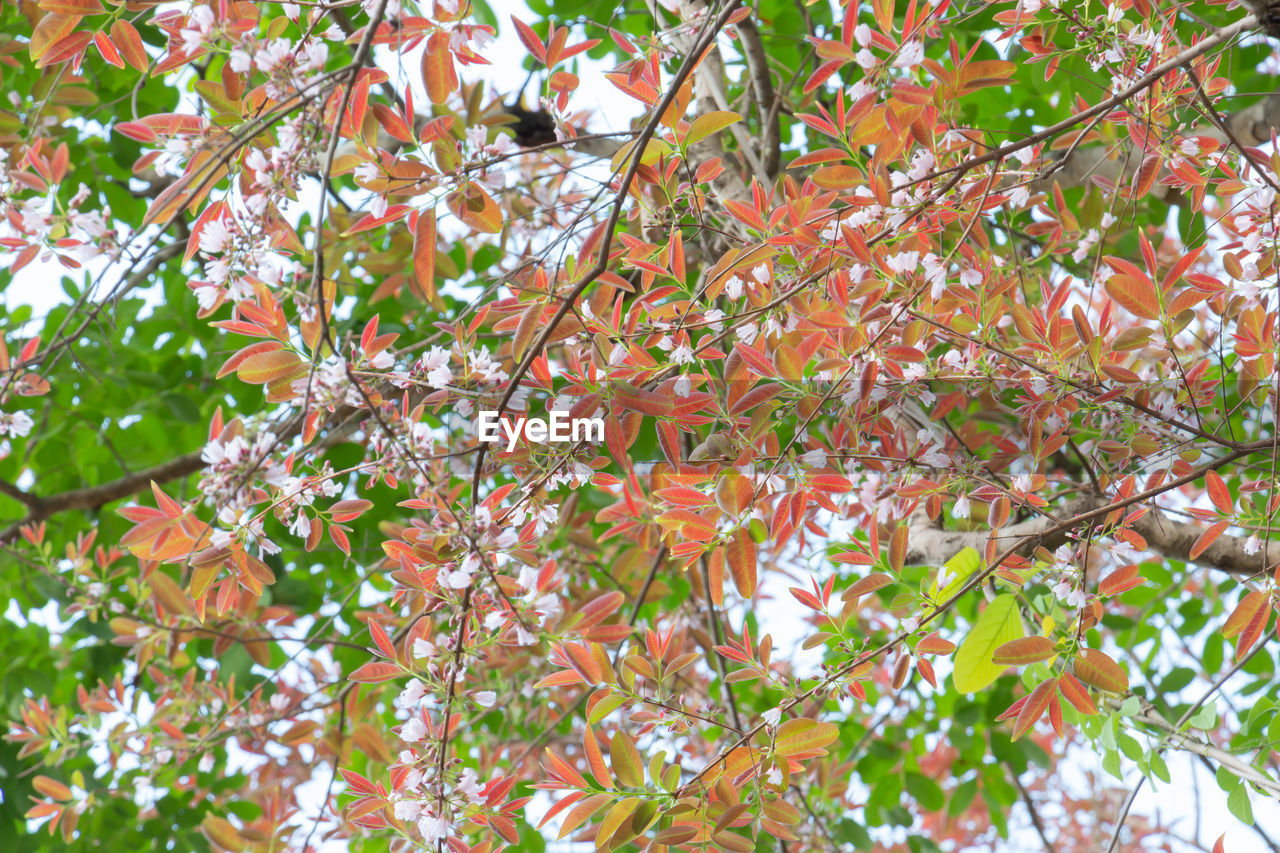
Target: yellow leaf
998,624
958,569
709,123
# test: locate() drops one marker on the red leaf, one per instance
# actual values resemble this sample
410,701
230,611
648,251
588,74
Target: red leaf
530,39
375,672
1033,709
1207,538
1218,492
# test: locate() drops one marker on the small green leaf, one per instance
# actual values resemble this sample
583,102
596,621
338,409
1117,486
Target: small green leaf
1238,804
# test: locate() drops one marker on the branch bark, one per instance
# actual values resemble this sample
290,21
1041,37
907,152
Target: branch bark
929,545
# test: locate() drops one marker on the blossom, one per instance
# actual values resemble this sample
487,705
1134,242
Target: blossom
910,624
16,424
862,35
775,776
1252,545
733,288
903,262
273,55
772,716
945,577
1022,482
910,55
486,698
214,236
816,458
433,829
414,730
411,695
423,648
408,809
240,61
682,354
469,785
961,509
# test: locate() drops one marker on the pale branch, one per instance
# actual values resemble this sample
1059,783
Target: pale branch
931,545
1184,740
753,51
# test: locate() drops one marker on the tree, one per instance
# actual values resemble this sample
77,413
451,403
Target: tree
932,353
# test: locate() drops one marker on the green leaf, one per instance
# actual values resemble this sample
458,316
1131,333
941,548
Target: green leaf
1238,803
998,624
1205,718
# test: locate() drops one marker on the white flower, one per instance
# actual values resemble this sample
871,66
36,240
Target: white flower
775,776
910,624
862,35
16,424
945,577
408,809
214,236
903,262
682,354
1062,589
411,695
733,288
816,458
683,386
414,730
1076,598
486,698
772,716
423,648
1252,545
1022,482
433,829
760,272
470,785
866,59
910,55
241,61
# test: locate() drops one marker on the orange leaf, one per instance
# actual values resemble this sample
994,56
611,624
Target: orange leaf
1023,651
1097,669
1135,293
424,255
740,551
1075,693
375,672
125,36
438,72
52,29
267,367
1033,708
1207,538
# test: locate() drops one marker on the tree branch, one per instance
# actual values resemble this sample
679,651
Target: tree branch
930,545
